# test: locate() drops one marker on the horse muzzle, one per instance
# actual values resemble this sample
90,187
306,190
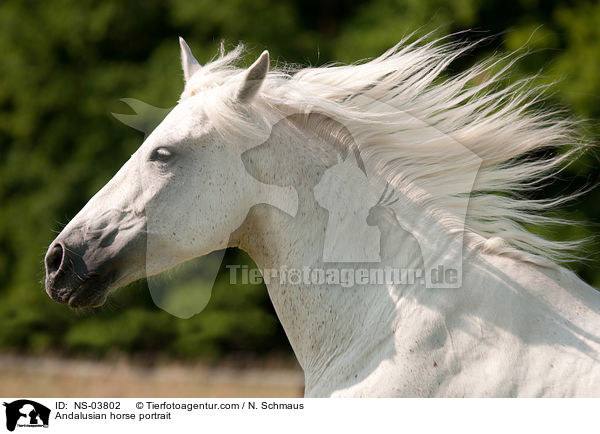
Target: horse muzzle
69,280
82,265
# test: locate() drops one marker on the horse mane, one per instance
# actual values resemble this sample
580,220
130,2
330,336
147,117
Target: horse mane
407,118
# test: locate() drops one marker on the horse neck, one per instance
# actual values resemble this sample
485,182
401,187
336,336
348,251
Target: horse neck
329,326
342,335
321,322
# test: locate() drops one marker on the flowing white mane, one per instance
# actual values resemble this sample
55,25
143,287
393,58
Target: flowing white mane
406,117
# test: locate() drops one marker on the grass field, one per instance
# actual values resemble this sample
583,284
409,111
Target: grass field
55,377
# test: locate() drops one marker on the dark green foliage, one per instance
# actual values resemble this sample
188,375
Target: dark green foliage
64,65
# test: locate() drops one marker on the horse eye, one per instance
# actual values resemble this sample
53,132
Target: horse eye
161,154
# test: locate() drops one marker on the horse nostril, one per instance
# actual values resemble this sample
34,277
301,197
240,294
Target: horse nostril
54,259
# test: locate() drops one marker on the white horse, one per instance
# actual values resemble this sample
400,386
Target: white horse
263,159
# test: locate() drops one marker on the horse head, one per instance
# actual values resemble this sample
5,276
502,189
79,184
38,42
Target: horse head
179,196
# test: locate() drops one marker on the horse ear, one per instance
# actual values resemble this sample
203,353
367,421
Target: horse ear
254,78
188,62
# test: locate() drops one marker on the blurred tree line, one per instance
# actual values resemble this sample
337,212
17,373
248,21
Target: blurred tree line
64,65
